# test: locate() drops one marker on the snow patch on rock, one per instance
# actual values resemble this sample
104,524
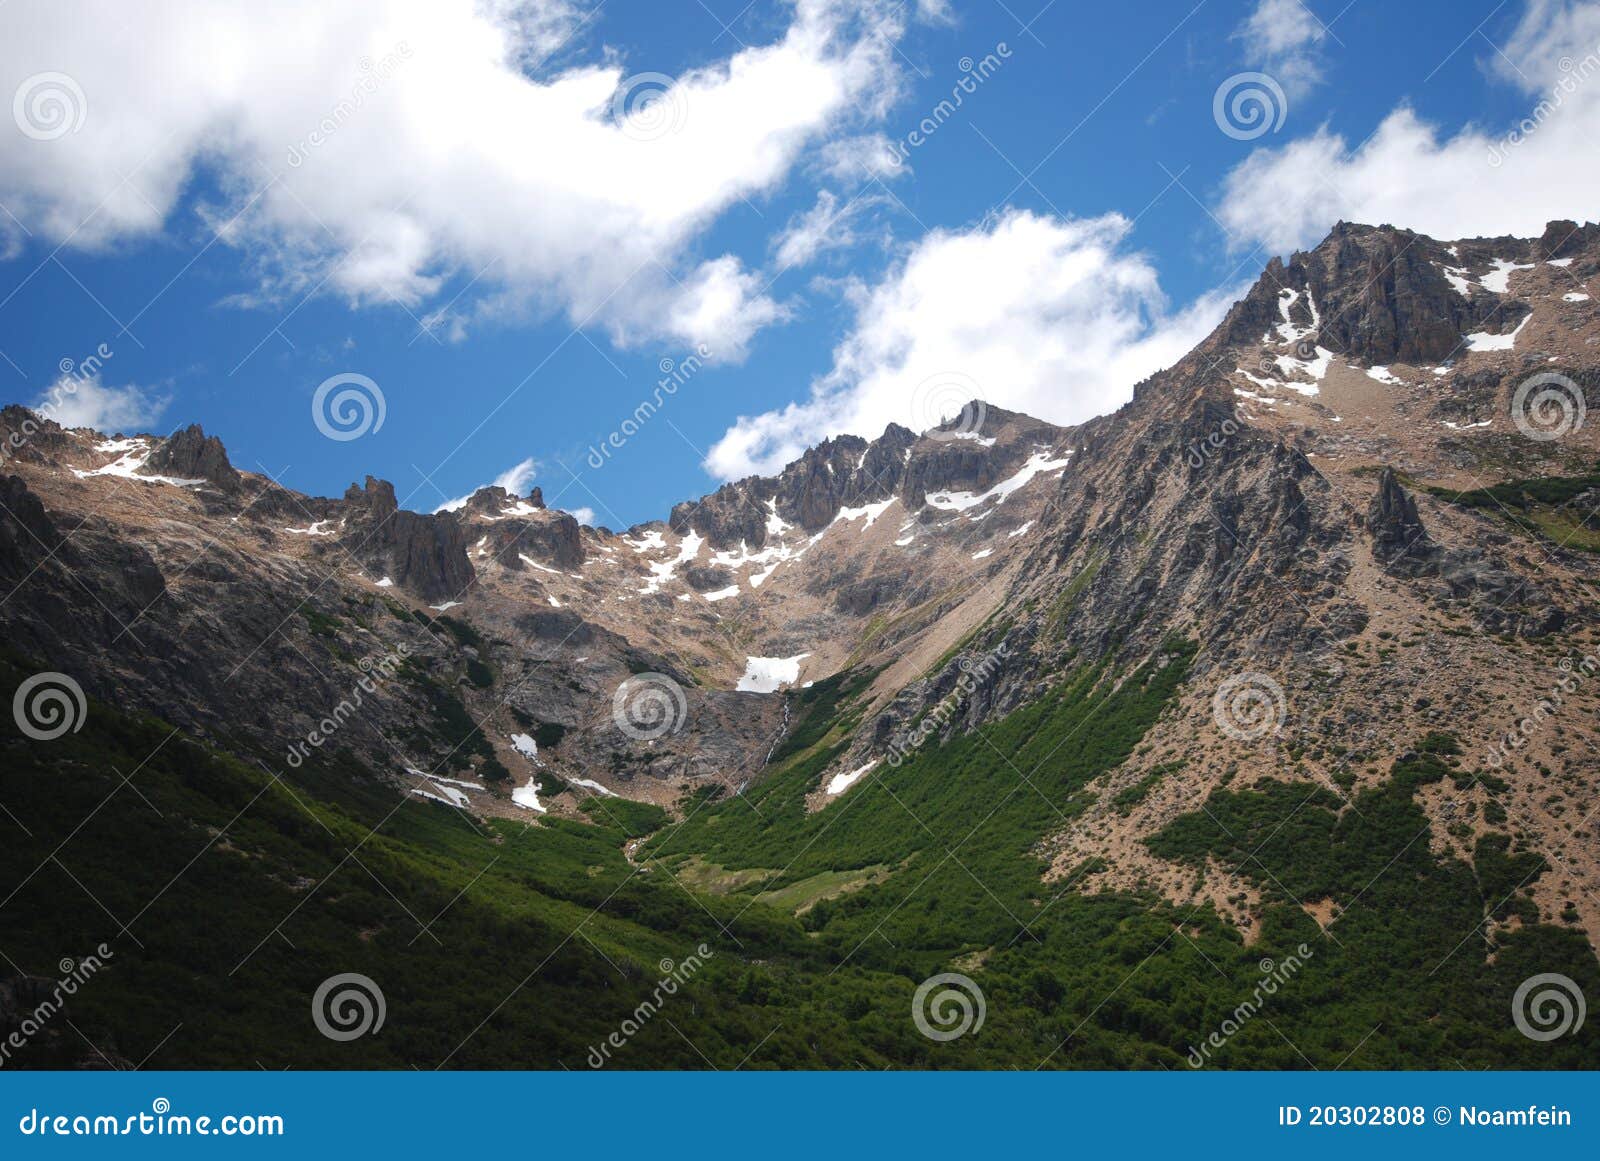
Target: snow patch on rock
127,467
768,674
1038,463
870,511
842,782
1483,341
527,796
1498,280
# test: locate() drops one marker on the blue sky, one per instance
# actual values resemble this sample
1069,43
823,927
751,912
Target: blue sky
510,256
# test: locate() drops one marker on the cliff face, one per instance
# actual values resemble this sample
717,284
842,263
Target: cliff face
191,454
1381,295
516,531
425,555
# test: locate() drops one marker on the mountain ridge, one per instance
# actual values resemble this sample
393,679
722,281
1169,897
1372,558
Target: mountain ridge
1279,495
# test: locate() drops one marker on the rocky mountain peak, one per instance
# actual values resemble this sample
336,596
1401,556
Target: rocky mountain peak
1377,294
487,501
425,555
510,530
970,452
376,497
190,453
25,433
493,500
1380,294
1566,239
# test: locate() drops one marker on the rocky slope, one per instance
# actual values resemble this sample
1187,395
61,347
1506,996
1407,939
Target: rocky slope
1302,495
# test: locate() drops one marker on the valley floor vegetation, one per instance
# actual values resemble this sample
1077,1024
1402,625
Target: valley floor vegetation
226,892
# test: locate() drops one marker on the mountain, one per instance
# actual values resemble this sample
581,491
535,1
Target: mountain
1296,650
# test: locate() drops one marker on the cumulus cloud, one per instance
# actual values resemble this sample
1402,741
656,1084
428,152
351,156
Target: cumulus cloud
86,402
1470,182
516,479
381,153
1283,37
1050,316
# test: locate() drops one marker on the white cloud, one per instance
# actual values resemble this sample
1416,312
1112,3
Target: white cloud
542,28
719,308
518,477
1466,184
827,225
428,142
853,160
75,402
1549,29
1282,36
515,479
1034,313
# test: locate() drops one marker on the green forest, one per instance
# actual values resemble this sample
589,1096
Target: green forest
228,891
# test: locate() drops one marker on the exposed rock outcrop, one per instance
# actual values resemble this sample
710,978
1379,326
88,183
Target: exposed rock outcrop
507,528
425,555
850,472
1378,295
191,454
26,533
1399,541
